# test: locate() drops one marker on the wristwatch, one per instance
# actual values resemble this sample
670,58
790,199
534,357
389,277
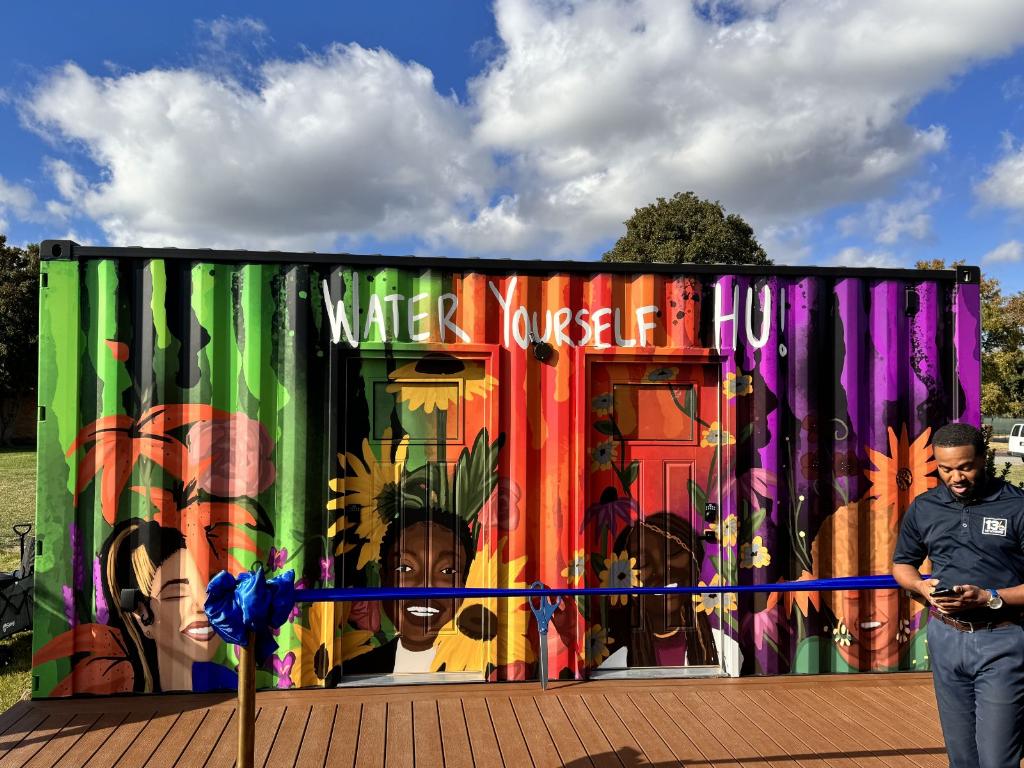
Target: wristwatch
995,602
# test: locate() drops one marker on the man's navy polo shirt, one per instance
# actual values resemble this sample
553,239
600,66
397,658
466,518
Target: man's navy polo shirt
979,543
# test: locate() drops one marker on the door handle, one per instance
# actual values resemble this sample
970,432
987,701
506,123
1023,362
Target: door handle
709,535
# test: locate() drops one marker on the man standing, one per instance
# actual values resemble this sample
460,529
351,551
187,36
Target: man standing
971,527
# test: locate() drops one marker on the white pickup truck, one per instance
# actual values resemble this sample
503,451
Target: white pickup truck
1016,446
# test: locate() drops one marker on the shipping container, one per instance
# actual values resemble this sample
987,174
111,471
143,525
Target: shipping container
372,420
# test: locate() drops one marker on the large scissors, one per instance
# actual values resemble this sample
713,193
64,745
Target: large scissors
543,610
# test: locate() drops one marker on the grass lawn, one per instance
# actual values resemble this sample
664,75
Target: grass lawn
17,505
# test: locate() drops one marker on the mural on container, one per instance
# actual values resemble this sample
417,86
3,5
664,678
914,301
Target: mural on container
394,427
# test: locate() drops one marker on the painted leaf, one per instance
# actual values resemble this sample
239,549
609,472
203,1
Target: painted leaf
607,427
476,475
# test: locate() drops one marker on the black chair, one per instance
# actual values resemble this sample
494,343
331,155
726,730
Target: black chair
16,587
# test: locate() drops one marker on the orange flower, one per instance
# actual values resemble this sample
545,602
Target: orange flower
903,474
802,600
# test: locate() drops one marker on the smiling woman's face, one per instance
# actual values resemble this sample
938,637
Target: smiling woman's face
179,625
428,555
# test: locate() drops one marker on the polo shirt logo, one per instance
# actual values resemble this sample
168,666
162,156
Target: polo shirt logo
994,526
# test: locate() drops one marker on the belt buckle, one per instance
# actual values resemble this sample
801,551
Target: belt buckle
969,625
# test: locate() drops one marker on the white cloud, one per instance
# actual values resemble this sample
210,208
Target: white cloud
1013,250
858,257
16,200
587,110
1003,185
888,223
780,111
353,141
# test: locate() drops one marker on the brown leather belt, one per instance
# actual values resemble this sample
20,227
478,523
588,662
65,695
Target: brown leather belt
971,626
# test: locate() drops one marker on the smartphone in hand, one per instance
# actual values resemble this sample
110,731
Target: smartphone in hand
945,592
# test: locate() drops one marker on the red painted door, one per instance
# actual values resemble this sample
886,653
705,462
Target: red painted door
653,470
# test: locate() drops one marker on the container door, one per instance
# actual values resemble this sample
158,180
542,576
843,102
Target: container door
414,422
652,488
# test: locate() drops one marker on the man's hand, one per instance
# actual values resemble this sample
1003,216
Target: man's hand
967,596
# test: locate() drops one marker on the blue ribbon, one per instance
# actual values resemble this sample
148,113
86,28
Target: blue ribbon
422,593
237,605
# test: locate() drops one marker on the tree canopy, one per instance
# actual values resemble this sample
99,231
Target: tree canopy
19,316
1002,346
687,229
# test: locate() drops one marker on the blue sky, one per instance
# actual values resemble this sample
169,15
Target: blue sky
867,133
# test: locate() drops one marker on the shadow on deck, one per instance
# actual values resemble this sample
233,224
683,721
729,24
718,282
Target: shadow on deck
850,720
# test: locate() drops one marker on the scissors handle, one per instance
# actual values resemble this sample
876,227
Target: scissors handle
544,607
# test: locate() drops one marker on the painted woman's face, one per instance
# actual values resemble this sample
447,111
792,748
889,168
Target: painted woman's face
663,563
179,627
873,620
428,555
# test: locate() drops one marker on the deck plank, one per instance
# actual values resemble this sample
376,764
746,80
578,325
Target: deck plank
22,728
543,752
595,742
85,747
317,736
688,739
225,748
121,739
482,739
567,742
398,751
650,743
345,737
427,727
290,735
36,740
454,739
790,737
373,727
268,723
145,745
205,738
876,738
748,746
511,742
805,721
924,748
623,745
862,752
78,726
177,739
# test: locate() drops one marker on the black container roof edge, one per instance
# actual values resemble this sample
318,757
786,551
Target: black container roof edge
65,250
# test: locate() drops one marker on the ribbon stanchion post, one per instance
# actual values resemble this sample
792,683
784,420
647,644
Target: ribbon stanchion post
544,608
245,610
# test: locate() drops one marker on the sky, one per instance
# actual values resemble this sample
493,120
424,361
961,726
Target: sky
858,133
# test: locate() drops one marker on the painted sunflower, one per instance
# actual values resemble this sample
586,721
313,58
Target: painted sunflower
737,384
487,630
596,643
575,570
715,435
755,554
709,602
904,473
620,571
323,648
361,484
604,455
437,380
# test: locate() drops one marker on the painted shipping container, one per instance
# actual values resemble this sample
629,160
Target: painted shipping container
370,420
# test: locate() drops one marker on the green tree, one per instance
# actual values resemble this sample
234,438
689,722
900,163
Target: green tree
19,317
687,230
1002,346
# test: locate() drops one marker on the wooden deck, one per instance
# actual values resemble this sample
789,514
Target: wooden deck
857,720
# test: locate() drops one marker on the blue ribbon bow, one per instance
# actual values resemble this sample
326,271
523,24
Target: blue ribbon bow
236,605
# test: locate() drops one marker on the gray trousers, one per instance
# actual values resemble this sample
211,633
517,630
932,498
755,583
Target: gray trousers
979,687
